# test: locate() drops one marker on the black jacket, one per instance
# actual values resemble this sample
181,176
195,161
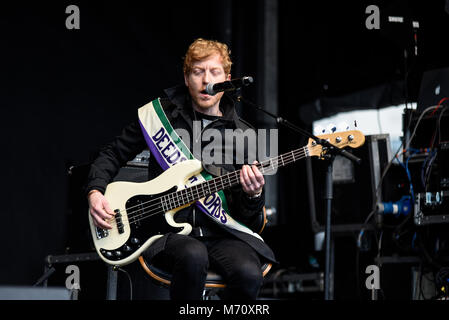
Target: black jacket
177,107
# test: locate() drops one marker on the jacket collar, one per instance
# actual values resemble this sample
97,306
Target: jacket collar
179,96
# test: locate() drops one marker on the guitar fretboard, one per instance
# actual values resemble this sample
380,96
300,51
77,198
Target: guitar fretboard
179,198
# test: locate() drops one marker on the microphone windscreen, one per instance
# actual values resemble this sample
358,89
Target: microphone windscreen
210,89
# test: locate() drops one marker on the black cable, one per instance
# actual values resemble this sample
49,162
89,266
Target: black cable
439,123
406,145
357,270
442,282
130,282
379,186
433,156
426,254
387,167
421,274
44,277
434,274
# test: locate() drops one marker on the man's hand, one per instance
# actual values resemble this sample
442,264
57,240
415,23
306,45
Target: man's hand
251,180
99,209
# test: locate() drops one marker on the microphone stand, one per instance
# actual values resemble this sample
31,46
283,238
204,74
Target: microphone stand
332,151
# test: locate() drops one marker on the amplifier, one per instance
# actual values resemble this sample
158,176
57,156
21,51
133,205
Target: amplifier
431,208
354,185
132,174
135,170
79,237
141,160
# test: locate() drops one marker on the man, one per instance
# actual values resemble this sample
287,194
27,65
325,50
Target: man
235,252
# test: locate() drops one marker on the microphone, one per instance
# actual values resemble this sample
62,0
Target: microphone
212,89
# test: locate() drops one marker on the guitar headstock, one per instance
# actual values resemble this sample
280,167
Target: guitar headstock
353,139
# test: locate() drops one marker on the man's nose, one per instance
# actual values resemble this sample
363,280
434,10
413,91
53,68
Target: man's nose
206,77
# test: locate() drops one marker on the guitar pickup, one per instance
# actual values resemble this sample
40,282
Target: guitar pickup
118,220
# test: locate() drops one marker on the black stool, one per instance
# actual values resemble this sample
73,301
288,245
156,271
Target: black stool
214,281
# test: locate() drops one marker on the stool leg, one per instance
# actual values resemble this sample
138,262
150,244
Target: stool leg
111,290
74,294
209,294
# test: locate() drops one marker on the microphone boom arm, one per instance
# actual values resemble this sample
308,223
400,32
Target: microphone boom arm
293,127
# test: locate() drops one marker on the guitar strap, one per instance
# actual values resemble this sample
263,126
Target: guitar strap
168,149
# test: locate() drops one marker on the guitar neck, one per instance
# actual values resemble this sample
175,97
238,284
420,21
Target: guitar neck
196,192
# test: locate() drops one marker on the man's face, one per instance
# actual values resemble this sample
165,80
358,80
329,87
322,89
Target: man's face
209,70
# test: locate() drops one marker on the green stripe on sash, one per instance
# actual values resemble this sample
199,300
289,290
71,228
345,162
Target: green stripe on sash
180,144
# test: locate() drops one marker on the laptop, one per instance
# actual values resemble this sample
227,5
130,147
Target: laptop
434,87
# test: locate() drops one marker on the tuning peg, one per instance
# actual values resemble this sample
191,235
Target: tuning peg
331,128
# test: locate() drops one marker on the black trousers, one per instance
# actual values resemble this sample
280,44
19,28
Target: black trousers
189,259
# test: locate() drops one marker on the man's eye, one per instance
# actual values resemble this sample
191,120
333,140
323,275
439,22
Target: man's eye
197,72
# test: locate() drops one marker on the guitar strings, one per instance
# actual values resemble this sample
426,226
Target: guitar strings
173,198
231,181
144,214
133,217
136,215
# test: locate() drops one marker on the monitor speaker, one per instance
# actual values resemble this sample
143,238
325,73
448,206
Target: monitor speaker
34,293
132,174
354,185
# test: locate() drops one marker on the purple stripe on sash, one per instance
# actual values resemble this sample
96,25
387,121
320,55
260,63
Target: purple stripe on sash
202,208
153,149
223,220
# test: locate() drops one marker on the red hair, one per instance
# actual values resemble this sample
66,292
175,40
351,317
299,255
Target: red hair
201,49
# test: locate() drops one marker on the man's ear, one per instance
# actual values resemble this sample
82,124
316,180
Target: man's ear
185,80
228,77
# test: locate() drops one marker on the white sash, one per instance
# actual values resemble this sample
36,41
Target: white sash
168,149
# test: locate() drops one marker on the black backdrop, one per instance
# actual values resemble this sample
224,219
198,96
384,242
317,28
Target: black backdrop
64,93
67,92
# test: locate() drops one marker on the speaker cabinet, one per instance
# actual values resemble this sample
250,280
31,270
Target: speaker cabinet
354,185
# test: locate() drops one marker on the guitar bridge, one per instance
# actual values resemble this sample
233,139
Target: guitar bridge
101,233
